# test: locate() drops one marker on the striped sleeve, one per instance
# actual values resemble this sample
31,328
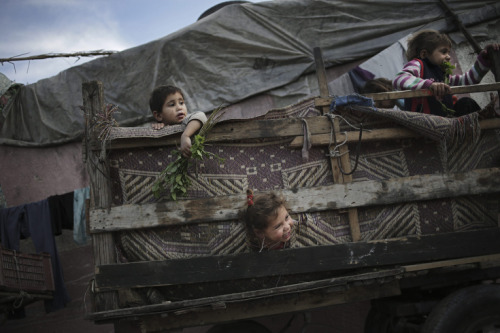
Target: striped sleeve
409,77
474,75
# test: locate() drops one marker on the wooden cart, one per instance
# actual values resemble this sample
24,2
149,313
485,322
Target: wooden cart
406,267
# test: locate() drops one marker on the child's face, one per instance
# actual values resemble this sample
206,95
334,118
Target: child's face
280,228
439,55
173,111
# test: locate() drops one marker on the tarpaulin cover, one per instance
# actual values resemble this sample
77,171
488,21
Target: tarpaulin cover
237,52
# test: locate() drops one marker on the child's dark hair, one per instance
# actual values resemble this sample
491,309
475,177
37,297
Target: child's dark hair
261,209
427,39
159,95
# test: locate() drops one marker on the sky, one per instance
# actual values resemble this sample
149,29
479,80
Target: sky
35,27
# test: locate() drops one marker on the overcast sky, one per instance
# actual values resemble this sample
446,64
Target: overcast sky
34,27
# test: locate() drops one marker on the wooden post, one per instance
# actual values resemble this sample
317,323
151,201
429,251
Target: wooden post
460,25
494,57
100,194
345,162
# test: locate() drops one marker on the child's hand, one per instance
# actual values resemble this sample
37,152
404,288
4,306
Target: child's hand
494,47
439,89
157,126
185,146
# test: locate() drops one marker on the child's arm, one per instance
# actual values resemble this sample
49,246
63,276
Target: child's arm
194,123
192,127
409,77
477,72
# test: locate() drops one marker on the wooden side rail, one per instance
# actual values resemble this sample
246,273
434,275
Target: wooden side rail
321,139
293,127
337,196
290,127
405,251
473,88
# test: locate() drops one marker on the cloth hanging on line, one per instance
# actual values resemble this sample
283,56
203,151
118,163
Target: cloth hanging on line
61,210
79,230
34,220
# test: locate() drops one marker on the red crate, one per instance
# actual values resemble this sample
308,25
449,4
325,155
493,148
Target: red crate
27,272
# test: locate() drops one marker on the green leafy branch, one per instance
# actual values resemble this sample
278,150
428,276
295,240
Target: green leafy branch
175,176
448,70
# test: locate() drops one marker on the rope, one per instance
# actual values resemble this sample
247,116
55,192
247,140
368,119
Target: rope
335,152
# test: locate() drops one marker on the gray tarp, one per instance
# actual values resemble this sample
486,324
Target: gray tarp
237,52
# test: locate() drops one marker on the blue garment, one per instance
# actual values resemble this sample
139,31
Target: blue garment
350,100
34,220
12,226
79,230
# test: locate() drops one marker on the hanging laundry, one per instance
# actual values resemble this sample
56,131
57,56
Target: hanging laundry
34,220
79,215
61,210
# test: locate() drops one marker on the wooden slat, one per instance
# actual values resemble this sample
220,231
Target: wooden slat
230,131
337,196
405,251
270,306
273,128
454,262
193,305
378,134
494,57
474,88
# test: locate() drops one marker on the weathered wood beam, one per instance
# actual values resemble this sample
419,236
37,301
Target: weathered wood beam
339,257
100,195
231,131
271,128
341,165
221,312
493,258
494,57
482,87
337,196
291,303
190,304
378,134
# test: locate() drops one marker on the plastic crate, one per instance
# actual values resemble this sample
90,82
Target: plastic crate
27,272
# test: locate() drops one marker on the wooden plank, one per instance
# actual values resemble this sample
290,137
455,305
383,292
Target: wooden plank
273,128
378,134
494,57
185,305
341,165
337,196
448,11
230,131
482,87
220,312
320,72
455,262
405,251
100,194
